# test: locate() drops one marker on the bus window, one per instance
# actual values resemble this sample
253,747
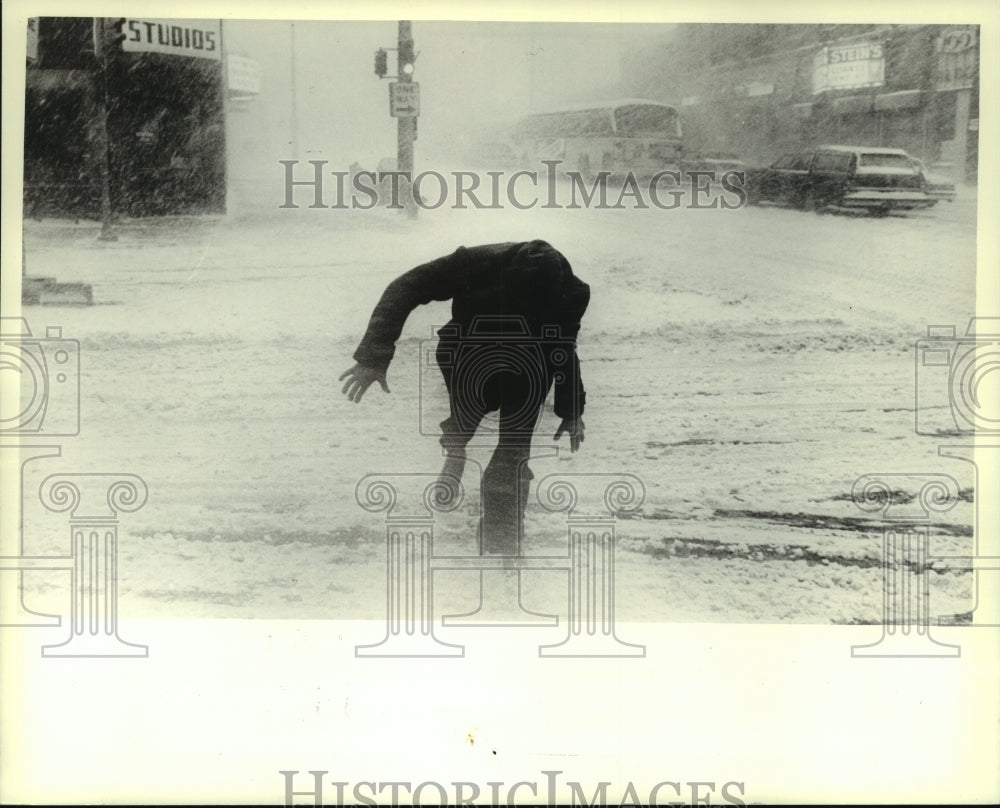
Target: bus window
629,136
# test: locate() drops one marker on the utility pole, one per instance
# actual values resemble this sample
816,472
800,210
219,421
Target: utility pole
108,37
404,106
294,93
406,125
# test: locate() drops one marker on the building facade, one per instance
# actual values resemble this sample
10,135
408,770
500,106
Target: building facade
760,90
142,106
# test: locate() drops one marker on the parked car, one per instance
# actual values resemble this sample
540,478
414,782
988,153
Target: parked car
936,185
878,180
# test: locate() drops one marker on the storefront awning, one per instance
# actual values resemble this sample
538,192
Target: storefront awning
904,99
852,105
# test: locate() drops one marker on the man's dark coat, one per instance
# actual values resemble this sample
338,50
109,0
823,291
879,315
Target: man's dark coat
527,280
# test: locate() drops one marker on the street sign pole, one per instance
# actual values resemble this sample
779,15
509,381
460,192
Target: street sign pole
405,126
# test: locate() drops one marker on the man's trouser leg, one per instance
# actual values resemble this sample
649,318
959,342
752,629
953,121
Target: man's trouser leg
461,424
507,478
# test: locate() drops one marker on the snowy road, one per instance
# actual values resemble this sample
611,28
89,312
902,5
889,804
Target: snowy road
747,365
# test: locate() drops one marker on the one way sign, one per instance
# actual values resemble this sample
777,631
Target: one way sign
404,99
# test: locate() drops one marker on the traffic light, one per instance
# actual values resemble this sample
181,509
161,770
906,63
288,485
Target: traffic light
406,59
381,63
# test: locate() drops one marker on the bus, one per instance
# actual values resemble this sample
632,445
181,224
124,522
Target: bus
629,135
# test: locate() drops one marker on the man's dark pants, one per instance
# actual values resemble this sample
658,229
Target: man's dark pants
481,380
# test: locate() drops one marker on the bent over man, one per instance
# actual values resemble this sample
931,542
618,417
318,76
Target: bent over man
515,315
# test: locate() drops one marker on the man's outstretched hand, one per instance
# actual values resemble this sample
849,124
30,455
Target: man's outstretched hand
360,378
574,428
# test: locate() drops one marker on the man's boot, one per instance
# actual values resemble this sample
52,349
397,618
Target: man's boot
449,482
504,497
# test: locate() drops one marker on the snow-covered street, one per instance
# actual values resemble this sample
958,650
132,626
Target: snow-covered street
747,365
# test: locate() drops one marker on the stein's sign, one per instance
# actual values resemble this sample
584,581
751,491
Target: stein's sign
841,67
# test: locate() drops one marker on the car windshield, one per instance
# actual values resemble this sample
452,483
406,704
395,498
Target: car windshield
875,160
